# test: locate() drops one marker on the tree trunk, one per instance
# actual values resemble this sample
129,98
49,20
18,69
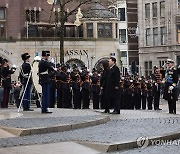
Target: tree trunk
62,30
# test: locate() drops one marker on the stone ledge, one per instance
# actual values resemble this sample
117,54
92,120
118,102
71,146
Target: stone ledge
126,145
57,128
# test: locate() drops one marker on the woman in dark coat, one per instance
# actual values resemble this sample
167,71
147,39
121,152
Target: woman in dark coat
103,82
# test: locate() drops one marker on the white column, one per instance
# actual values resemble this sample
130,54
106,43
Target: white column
95,32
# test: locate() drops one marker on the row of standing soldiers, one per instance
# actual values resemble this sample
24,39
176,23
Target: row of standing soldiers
76,87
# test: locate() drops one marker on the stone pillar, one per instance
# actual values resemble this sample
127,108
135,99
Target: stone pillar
95,32
114,30
84,30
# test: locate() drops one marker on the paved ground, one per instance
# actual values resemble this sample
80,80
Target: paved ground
158,149
129,125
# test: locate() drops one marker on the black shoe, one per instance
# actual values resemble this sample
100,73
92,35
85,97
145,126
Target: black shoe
46,112
115,112
106,111
28,110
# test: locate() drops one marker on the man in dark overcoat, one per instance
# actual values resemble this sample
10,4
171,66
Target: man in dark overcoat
112,87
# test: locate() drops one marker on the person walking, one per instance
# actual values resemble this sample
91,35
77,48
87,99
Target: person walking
112,87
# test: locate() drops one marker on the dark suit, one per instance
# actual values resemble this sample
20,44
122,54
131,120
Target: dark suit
112,94
171,94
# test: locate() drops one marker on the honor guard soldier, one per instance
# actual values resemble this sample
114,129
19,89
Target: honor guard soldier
137,95
0,68
157,78
44,79
86,86
76,87
150,93
6,81
170,91
95,88
143,94
59,86
66,88
52,75
26,79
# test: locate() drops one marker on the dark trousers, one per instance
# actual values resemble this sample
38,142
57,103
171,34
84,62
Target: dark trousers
77,98
45,96
59,98
27,96
4,104
150,100
172,106
66,98
129,101
52,97
95,100
137,101
85,98
143,102
156,99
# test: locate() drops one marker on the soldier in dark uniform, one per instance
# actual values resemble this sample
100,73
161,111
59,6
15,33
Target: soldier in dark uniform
44,79
86,86
170,91
59,86
157,78
143,94
26,79
95,87
66,88
150,93
6,81
52,75
76,87
137,95
0,68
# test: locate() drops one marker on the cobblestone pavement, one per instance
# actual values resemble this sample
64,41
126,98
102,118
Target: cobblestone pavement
129,125
159,149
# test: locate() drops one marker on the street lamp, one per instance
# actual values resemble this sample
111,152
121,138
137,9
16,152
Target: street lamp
50,1
79,15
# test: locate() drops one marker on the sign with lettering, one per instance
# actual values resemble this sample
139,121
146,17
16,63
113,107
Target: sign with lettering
5,51
76,52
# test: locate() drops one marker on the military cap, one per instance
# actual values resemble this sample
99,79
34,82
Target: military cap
170,61
25,56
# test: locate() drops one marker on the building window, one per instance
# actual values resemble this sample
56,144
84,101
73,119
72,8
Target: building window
155,36
2,22
154,8
57,16
33,15
105,30
2,30
162,9
148,68
179,3
122,36
162,63
178,34
2,13
147,10
90,30
163,35
121,14
148,37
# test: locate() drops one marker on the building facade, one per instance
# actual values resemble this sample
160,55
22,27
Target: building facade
126,11
34,27
159,36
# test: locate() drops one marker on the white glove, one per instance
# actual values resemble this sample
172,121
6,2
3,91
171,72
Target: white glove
55,69
171,87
